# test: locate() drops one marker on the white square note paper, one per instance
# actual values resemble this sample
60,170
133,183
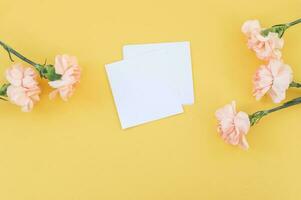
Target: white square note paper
178,54
152,82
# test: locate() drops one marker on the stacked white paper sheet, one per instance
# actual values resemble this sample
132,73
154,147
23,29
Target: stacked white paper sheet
152,82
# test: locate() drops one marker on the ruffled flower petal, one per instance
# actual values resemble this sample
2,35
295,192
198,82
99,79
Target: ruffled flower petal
67,66
233,126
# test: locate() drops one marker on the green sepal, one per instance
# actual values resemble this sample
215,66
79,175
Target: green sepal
48,72
295,84
3,89
279,29
255,117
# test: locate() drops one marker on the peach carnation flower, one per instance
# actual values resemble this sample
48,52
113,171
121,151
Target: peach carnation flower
233,126
24,89
67,67
273,79
266,47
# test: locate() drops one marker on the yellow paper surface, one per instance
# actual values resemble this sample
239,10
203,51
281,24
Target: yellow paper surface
77,150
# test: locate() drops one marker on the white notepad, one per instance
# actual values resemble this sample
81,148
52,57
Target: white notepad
178,54
142,89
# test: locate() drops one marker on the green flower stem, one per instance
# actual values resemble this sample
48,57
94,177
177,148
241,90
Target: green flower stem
255,117
46,71
12,51
295,84
293,23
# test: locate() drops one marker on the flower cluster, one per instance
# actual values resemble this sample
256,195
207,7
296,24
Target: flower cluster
22,87
273,77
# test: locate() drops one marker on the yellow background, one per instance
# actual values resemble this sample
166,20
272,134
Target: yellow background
77,150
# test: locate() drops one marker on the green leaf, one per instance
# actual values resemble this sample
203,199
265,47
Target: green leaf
3,89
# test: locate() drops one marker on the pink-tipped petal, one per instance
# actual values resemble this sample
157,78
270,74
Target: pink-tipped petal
250,26
266,47
53,94
242,122
274,79
24,89
244,143
233,126
67,66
